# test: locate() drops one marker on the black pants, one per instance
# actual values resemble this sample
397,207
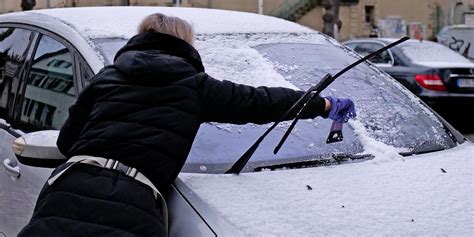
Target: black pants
93,201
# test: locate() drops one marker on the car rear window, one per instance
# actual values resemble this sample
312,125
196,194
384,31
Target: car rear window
426,51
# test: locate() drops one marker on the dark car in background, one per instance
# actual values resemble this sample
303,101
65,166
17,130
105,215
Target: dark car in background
439,76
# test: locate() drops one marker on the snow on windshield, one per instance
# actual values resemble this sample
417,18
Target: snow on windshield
386,110
252,67
430,53
428,194
233,58
225,56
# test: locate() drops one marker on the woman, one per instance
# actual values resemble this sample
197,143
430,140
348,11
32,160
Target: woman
130,131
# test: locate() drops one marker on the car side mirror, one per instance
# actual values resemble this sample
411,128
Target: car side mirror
39,149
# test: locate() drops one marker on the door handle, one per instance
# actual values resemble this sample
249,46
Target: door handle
14,170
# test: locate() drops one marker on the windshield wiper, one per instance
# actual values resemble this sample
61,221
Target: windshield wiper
317,90
334,159
425,147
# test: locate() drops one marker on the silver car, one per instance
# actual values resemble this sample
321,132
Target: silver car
48,56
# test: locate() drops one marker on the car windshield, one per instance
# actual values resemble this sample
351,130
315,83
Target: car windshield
387,112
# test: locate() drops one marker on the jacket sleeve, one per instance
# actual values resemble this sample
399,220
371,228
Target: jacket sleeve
224,101
78,116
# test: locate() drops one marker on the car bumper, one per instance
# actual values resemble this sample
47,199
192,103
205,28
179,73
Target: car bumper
448,99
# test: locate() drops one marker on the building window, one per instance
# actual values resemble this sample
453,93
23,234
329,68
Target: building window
370,14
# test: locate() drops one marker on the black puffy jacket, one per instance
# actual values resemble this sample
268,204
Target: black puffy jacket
146,108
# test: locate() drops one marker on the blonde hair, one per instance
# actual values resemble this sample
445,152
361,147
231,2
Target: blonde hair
170,25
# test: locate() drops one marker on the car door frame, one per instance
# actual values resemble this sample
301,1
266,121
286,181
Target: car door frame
13,167
10,116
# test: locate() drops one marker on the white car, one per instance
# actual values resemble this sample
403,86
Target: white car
400,170
458,38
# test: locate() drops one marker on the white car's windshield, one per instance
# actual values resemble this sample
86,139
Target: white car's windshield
386,110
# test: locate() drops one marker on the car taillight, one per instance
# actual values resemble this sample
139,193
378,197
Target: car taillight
432,82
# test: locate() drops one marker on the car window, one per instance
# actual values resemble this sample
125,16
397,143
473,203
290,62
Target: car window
108,47
50,87
352,45
85,72
14,44
365,49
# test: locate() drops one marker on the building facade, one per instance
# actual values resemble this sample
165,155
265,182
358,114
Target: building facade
360,18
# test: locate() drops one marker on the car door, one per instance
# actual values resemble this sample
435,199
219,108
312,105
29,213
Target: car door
44,90
15,50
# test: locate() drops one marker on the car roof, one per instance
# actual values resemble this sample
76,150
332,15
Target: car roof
82,25
122,22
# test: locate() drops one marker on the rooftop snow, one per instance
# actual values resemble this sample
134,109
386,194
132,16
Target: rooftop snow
122,22
432,54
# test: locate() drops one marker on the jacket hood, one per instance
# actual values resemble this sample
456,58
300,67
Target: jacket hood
150,55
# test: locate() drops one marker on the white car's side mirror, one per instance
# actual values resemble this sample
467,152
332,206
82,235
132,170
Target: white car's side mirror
38,149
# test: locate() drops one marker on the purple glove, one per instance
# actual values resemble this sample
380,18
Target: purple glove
341,109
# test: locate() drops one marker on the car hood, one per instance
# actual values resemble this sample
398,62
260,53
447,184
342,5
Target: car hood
417,195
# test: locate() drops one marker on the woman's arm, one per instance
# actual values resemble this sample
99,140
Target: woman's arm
224,101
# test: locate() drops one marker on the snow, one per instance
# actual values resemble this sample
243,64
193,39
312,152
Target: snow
244,61
433,54
122,22
233,58
379,149
410,196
